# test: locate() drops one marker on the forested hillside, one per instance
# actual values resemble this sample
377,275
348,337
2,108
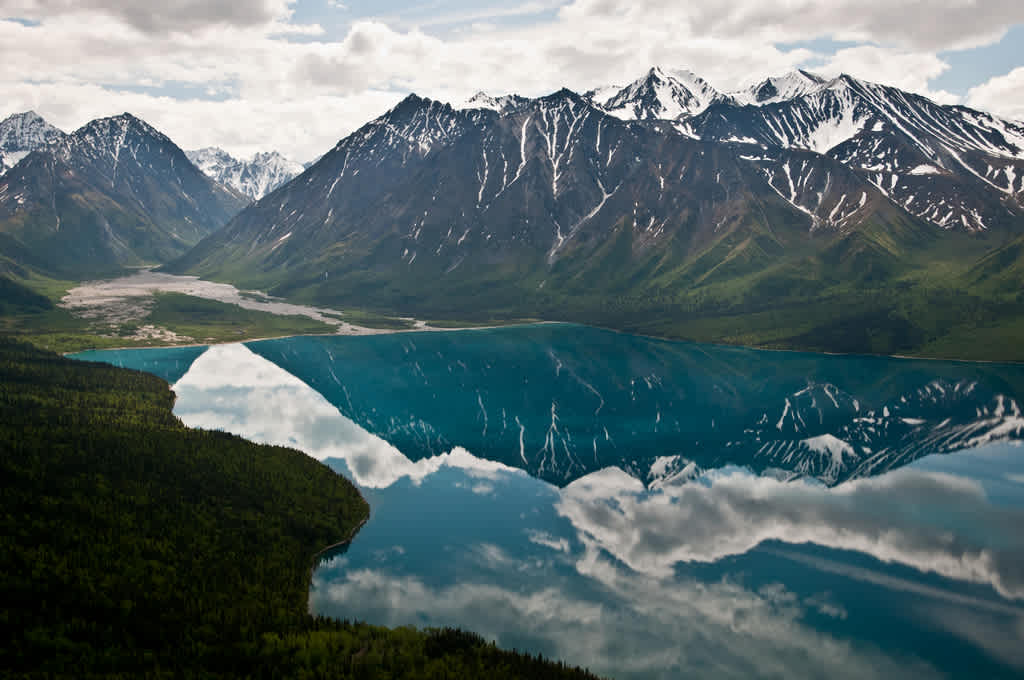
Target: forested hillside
131,546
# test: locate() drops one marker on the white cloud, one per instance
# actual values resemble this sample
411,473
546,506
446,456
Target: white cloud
165,16
1003,95
638,627
937,24
485,15
292,87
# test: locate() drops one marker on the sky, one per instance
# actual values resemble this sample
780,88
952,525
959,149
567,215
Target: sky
297,76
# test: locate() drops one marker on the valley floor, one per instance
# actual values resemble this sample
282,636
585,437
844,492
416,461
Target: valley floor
152,309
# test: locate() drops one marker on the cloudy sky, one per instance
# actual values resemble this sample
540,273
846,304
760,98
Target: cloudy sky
298,75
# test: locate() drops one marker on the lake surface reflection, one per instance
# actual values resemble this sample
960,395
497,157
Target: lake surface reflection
653,509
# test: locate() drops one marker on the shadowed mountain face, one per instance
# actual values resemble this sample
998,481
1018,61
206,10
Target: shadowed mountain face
114,193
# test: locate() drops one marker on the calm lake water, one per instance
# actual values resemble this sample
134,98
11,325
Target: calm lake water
653,509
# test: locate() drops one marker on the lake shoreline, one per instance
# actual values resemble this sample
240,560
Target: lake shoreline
434,329
334,546
370,332
146,283
718,343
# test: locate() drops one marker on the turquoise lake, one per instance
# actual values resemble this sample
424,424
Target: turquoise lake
653,509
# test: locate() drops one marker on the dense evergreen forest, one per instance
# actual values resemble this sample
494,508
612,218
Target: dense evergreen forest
131,546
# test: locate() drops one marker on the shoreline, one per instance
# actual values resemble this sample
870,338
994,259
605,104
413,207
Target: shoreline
369,332
113,290
713,343
435,329
315,562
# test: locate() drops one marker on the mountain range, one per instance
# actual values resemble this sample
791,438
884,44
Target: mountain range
254,178
826,213
804,211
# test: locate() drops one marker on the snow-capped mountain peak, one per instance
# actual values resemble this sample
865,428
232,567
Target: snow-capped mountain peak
110,135
210,157
254,178
481,100
781,88
22,133
661,94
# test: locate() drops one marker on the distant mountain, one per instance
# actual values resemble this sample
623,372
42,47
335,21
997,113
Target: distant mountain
114,193
664,206
504,104
23,133
779,88
254,178
660,94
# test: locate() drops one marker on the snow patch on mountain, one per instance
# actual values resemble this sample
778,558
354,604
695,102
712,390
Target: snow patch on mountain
832,449
836,129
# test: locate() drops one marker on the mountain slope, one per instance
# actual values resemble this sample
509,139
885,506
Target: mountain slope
22,133
556,195
114,193
254,178
951,166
